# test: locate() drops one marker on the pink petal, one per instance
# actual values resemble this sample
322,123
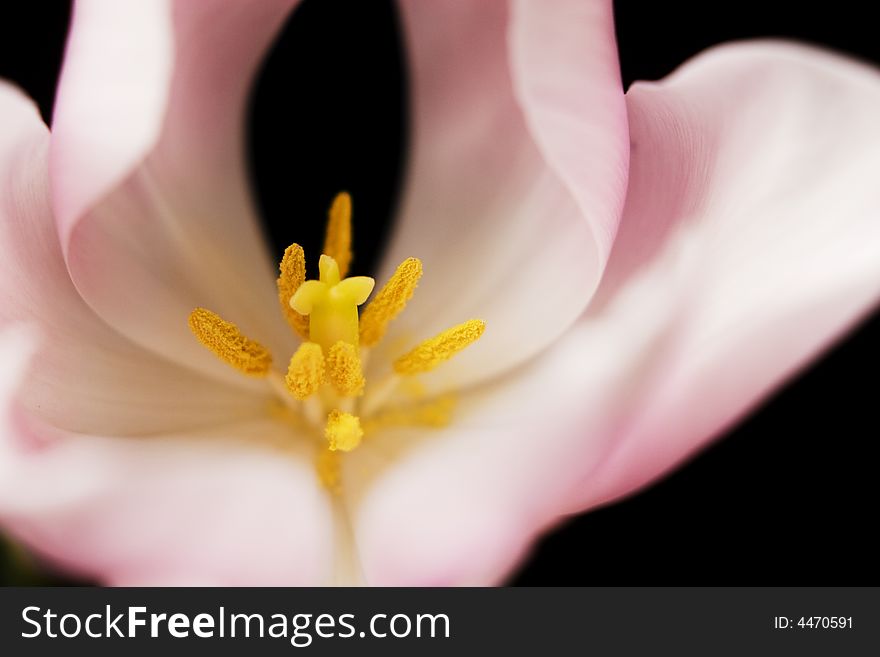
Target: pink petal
198,508
187,507
460,505
753,184
111,99
517,172
86,377
148,173
749,243
17,347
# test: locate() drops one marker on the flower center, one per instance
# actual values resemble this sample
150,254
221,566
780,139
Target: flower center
324,387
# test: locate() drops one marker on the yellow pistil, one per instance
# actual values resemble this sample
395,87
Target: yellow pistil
305,373
324,396
390,301
343,431
292,275
331,304
344,369
430,353
337,243
228,344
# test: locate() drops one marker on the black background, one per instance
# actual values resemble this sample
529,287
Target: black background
789,497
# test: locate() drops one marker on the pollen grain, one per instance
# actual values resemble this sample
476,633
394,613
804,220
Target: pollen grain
390,301
343,431
292,275
305,374
337,243
228,343
344,369
434,351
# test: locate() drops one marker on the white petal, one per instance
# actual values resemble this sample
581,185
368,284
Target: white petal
750,241
752,184
86,377
205,508
148,170
512,219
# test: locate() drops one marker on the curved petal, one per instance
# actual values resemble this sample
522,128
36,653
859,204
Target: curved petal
181,508
86,377
460,505
111,98
198,508
517,173
148,169
18,344
750,241
753,171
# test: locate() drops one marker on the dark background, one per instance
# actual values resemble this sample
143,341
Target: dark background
789,497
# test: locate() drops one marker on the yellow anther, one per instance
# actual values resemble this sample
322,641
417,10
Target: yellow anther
337,243
293,273
331,304
306,371
343,431
390,300
228,344
329,470
344,369
430,353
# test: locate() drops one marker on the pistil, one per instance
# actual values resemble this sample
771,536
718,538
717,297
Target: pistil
325,379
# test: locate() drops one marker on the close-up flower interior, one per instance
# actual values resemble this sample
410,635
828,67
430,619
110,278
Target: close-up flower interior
384,294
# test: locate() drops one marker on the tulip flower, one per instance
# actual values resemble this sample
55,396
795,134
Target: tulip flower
647,268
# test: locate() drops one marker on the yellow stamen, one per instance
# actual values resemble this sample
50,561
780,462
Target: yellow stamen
430,353
293,273
290,416
435,414
324,312
228,344
390,300
329,470
306,371
337,243
331,304
343,431
344,369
